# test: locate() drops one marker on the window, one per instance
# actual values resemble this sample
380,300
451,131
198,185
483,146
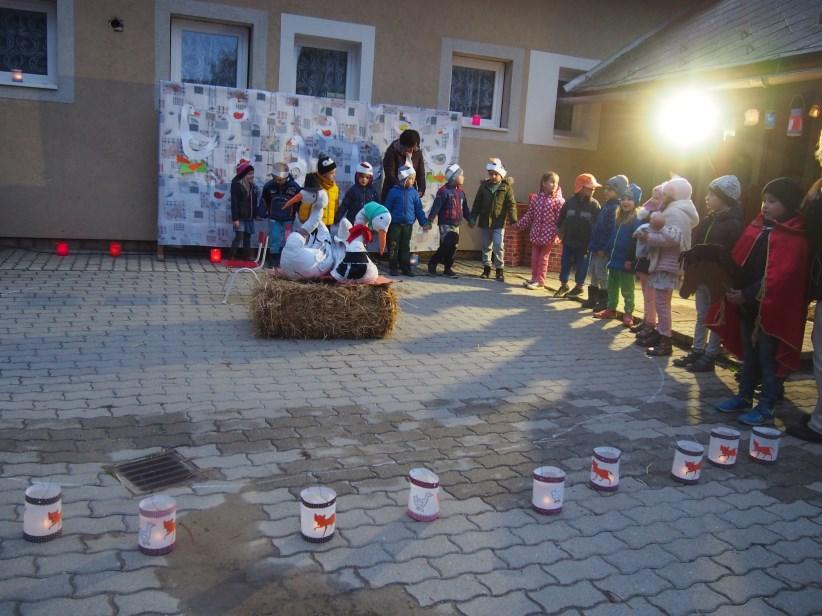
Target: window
564,115
28,43
476,91
209,53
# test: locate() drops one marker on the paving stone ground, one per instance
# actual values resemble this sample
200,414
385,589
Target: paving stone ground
103,361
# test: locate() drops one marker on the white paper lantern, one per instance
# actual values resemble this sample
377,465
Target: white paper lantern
43,517
318,514
687,466
764,445
549,490
723,446
423,495
158,525
605,469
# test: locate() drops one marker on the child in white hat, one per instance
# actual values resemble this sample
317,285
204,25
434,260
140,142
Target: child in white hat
451,206
404,204
494,207
362,191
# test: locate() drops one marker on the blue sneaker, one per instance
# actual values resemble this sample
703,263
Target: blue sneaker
759,416
734,405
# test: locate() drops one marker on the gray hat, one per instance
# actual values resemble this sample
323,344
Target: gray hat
727,187
618,183
452,172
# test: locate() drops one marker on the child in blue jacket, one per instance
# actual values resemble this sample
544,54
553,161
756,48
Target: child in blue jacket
276,193
621,250
598,248
403,201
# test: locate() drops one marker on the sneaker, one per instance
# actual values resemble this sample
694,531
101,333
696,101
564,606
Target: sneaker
532,286
649,339
627,320
636,329
486,272
734,405
576,291
605,314
703,363
450,273
687,360
563,289
758,416
662,348
432,268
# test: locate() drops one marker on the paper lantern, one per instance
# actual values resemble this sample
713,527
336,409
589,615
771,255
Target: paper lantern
796,118
476,120
216,255
723,446
770,120
62,249
764,445
17,75
549,490
318,514
43,517
687,466
423,495
115,249
158,525
751,117
605,469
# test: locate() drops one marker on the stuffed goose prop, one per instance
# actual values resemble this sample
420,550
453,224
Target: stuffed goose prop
309,251
352,263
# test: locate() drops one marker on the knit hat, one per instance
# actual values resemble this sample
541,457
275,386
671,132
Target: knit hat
243,168
632,192
496,166
365,168
727,188
280,170
405,172
409,138
618,184
585,180
312,182
325,164
677,188
452,173
787,192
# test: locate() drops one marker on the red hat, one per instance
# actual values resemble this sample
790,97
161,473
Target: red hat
585,180
243,168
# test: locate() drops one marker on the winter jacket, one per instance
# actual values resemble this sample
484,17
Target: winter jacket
243,202
622,245
275,196
666,244
450,205
354,200
542,215
576,220
722,228
493,206
405,206
604,226
391,163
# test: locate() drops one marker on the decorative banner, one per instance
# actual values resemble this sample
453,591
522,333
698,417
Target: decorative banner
206,130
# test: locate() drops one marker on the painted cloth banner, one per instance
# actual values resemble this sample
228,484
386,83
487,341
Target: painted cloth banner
206,130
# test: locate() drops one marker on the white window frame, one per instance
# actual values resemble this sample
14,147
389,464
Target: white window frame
485,64
356,39
180,23
48,81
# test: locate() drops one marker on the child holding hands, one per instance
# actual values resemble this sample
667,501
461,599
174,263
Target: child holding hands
541,217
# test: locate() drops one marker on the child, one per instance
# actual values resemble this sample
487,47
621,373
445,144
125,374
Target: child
276,192
327,172
542,215
493,205
721,226
667,235
244,197
600,236
621,255
764,320
576,219
452,206
641,267
403,202
361,192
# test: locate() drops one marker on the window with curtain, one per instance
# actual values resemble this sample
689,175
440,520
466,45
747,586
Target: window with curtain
476,90
28,43
209,53
322,72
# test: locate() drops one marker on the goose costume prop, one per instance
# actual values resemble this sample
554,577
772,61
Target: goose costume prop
308,252
354,265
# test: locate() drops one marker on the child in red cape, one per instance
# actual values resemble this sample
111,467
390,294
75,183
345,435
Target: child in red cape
764,321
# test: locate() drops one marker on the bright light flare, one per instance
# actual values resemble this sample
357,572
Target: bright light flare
687,118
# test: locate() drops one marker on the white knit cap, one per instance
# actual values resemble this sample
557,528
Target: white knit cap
678,188
495,164
452,172
727,185
365,168
405,172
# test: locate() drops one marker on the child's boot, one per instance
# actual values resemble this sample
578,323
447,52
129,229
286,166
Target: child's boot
575,292
703,363
602,300
500,274
627,319
563,289
661,348
486,272
649,339
593,293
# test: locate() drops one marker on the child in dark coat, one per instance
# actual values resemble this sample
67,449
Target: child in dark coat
362,191
244,197
601,235
576,220
276,192
450,206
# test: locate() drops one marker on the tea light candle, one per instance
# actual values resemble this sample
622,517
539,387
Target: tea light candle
43,516
687,465
158,525
548,490
62,249
216,255
723,446
764,445
115,249
423,495
17,75
318,514
605,469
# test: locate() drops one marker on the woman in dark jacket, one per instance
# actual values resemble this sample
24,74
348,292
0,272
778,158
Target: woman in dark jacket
244,197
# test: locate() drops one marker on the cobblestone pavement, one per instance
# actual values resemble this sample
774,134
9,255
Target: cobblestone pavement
103,361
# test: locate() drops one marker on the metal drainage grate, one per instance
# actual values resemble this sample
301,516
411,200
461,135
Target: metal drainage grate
155,472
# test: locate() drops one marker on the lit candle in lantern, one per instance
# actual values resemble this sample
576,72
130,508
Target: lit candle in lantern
318,514
62,249
723,446
43,517
17,75
687,466
605,469
158,525
423,495
216,255
115,249
548,490
764,445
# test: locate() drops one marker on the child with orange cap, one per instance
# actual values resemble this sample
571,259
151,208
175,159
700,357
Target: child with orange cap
576,221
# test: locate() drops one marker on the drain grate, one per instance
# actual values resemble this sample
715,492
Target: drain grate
155,472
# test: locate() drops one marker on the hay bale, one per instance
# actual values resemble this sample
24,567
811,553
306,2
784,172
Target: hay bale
287,309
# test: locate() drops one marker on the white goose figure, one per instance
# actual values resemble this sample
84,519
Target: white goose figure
309,251
353,263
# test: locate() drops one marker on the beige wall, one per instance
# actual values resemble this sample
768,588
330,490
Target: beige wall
87,169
